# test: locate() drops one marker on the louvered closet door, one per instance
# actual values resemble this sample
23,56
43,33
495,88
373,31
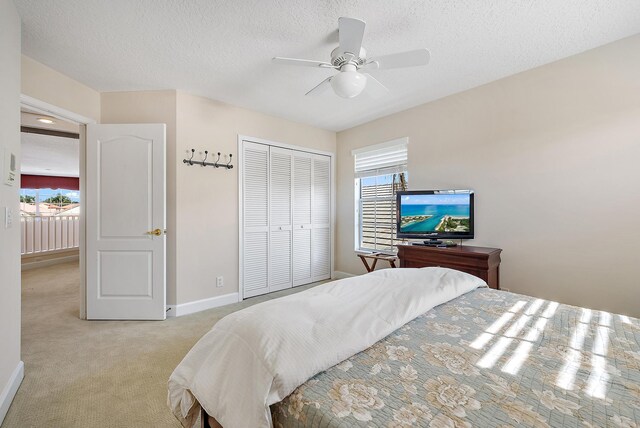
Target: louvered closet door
321,218
256,219
302,218
280,241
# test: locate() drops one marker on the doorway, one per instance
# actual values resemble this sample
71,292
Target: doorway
49,212
49,190
65,235
124,163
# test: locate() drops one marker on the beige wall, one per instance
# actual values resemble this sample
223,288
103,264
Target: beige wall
537,148
152,107
207,198
202,203
46,84
9,238
552,154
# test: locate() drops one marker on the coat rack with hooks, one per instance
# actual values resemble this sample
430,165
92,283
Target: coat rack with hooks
204,162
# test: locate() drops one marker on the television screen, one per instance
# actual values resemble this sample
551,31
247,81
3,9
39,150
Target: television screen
435,214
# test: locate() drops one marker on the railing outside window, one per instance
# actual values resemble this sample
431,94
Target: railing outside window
41,234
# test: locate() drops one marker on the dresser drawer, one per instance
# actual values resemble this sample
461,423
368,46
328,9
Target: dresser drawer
478,261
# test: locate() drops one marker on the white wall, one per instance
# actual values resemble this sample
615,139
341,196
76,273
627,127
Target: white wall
552,154
10,364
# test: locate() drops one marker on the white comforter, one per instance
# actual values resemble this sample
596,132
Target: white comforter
257,356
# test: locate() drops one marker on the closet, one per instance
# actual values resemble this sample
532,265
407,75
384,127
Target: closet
285,218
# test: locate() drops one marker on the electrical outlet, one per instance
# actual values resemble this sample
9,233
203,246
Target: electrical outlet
219,281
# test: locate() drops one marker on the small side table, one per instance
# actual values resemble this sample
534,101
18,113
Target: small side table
376,256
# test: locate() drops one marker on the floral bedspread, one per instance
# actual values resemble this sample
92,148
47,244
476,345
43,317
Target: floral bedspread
486,359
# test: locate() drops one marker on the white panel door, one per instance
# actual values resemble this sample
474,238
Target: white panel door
125,222
255,205
321,217
302,218
280,236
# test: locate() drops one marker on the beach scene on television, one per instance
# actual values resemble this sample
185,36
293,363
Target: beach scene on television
434,213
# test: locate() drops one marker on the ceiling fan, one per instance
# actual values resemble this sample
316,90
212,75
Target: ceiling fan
350,59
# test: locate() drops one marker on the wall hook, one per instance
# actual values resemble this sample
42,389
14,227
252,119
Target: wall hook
204,162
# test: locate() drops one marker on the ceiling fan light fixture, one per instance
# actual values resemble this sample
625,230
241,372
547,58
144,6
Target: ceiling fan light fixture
348,84
349,57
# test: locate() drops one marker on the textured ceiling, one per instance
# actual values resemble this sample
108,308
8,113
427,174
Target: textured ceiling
222,49
47,155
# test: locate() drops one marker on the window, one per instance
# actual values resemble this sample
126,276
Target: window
49,202
380,171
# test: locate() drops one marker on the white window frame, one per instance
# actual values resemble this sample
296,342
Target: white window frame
386,170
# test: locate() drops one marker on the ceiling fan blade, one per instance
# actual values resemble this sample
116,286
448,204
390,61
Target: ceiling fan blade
321,87
400,60
350,33
301,62
374,87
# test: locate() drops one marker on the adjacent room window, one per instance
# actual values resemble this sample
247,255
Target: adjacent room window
49,218
380,171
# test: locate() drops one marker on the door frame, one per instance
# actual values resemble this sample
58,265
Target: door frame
240,161
69,116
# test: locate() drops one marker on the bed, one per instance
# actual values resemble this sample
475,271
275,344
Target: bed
482,358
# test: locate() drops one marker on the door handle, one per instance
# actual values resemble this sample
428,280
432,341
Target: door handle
156,232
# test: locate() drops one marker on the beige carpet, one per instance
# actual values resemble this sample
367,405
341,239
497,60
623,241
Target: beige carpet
97,373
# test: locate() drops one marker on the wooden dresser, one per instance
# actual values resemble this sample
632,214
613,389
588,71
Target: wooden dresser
479,261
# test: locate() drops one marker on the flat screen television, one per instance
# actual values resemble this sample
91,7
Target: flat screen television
435,215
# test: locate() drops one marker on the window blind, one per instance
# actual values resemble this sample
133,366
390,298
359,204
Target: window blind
380,171
386,158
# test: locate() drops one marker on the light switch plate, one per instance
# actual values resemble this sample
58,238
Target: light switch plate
8,218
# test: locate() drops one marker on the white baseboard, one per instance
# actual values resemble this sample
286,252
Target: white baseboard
201,305
10,389
341,275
